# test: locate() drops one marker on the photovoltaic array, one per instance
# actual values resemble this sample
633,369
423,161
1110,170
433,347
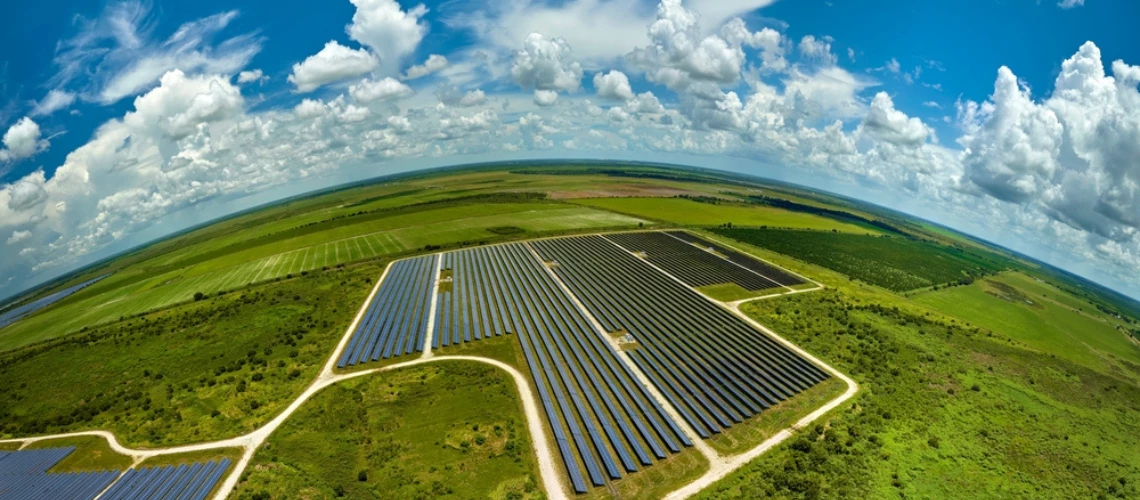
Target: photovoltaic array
396,321
760,267
182,482
468,311
599,415
695,266
713,367
23,475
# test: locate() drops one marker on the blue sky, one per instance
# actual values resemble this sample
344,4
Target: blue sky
166,114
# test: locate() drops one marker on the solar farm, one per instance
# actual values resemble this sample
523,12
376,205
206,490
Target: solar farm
24,475
604,322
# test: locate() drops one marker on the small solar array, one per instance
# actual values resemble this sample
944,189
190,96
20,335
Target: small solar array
760,267
713,367
603,421
695,266
182,482
396,321
469,311
23,475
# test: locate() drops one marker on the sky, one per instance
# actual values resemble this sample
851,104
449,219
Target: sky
1017,121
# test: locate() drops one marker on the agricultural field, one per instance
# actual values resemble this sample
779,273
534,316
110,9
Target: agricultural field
1048,320
693,213
443,430
892,262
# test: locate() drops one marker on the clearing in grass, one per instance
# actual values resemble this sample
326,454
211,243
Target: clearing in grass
450,429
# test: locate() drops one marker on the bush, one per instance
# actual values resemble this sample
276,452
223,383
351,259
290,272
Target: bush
199,296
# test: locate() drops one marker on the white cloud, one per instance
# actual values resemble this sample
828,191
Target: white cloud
434,63
1068,4
55,100
932,104
546,64
250,76
613,85
450,95
19,236
22,140
851,54
333,63
180,104
27,193
115,56
893,126
389,31
380,90
545,97
893,66
818,49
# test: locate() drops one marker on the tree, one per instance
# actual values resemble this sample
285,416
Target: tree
199,296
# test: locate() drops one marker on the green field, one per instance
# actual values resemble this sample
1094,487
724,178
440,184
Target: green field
943,412
446,430
117,296
894,263
688,212
1047,320
92,453
202,371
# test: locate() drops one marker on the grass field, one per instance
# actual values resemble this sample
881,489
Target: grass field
389,236
688,212
728,292
445,430
201,371
1047,320
92,453
943,413
894,263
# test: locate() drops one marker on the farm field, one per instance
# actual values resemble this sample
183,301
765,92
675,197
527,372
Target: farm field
390,236
692,213
895,263
1011,306
444,430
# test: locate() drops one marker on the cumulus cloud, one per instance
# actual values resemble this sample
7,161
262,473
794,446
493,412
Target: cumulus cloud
181,103
391,32
22,140
451,95
333,63
893,126
546,64
545,97
19,236
613,85
27,193
434,63
254,75
820,50
380,90
115,55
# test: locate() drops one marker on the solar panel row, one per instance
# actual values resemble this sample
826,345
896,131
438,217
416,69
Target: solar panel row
23,475
694,266
599,415
396,321
466,312
769,271
714,368
182,482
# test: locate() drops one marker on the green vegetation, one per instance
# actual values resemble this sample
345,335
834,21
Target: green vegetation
945,411
1010,306
729,292
234,454
450,429
749,434
693,213
205,370
894,263
92,453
